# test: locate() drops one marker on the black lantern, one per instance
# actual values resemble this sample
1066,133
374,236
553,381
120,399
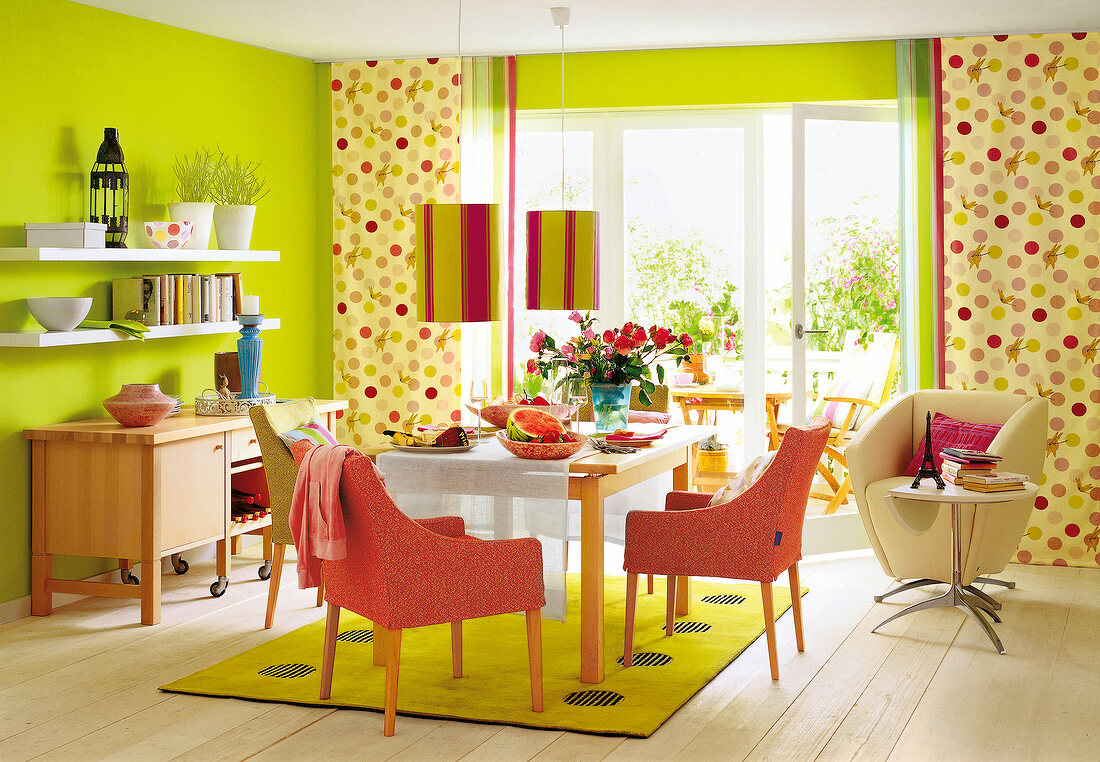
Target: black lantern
111,190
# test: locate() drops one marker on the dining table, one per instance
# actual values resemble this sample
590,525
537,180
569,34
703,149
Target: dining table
594,476
704,400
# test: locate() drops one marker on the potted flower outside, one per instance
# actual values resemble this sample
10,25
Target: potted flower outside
709,319
713,455
237,187
194,186
610,362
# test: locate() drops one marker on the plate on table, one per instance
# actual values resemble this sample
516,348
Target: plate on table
435,450
637,440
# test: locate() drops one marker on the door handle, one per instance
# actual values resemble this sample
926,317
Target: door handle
799,331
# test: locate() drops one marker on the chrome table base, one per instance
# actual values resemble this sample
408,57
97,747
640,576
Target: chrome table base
969,598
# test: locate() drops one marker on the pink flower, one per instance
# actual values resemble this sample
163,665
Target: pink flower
590,334
537,341
576,317
532,367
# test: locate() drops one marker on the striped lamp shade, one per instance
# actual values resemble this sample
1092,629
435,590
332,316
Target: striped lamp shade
458,263
563,260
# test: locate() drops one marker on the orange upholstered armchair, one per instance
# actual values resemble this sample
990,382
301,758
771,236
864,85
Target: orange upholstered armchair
755,536
400,573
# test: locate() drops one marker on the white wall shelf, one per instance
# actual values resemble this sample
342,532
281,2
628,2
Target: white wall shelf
44,254
104,335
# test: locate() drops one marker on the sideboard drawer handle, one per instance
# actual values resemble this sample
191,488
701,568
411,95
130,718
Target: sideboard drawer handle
252,442
217,447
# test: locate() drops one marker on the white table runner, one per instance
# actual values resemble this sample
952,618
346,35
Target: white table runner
498,496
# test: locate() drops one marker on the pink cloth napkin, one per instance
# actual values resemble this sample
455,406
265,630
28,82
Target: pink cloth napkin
647,416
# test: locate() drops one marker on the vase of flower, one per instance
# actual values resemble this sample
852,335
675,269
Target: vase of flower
610,406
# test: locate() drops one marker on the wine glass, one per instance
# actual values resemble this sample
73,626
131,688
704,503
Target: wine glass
479,395
577,399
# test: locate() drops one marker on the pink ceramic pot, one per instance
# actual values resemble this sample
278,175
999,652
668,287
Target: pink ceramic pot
140,405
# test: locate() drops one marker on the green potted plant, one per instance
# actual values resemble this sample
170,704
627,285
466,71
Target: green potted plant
194,187
713,455
710,319
237,186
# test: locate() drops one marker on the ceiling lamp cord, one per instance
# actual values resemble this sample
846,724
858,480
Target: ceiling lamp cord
560,17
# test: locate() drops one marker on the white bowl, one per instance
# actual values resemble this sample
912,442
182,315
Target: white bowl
59,313
169,235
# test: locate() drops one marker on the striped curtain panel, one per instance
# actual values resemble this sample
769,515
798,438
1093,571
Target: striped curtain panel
487,158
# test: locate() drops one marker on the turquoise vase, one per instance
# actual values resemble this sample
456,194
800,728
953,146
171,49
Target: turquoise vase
610,404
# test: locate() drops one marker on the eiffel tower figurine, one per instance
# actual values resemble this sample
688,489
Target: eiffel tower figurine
928,465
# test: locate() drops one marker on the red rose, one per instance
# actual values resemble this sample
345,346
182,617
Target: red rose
639,336
686,340
661,337
532,367
624,345
608,336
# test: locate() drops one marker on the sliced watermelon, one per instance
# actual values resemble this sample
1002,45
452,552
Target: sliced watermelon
527,423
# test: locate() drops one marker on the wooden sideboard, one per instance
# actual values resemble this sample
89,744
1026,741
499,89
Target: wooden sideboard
139,494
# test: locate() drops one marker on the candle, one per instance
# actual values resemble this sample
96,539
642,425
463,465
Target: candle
250,305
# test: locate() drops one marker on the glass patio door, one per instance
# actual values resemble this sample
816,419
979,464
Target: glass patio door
844,212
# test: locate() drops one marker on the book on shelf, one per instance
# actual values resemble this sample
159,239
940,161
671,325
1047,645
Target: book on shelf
150,299
126,296
237,292
196,298
225,297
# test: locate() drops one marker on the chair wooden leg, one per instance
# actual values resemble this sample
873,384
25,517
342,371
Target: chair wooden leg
456,648
332,629
670,605
393,667
649,584
321,587
796,605
841,496
273,583
534,656
631,605
769,626
379,641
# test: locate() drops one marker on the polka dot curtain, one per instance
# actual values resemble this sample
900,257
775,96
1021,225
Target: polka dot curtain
1021,202
394,145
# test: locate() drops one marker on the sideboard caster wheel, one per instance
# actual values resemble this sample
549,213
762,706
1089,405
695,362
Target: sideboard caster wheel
179,564
128,577
218,588
265,570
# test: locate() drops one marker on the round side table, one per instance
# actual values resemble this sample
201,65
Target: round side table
957,596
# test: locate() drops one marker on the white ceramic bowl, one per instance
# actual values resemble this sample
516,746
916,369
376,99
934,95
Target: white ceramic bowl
169,235
59,313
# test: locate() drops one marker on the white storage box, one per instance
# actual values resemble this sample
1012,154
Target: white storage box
67,235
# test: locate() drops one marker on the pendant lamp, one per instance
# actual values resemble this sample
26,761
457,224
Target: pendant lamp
563,246
459,266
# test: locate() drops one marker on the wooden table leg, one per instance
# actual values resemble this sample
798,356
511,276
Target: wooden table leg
773,424
41,561
150,541
592,582
682,477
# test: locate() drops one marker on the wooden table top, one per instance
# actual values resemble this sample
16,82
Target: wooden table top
183,425
709,392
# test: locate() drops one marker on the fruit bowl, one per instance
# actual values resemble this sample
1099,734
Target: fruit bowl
169,235
497,415
540,450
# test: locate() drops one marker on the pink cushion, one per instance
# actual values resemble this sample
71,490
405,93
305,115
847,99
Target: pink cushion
947,432
647,416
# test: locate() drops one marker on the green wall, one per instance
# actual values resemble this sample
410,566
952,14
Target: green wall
66,72
846,71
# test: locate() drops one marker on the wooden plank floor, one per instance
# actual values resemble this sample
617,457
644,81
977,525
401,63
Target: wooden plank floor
81,684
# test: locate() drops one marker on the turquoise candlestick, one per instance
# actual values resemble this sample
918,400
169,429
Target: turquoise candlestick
249,351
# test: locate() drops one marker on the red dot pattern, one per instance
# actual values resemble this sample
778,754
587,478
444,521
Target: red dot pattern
1021,119
395,124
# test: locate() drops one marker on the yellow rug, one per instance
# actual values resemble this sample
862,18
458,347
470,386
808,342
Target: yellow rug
724,620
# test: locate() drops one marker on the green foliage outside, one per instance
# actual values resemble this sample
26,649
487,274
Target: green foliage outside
855,283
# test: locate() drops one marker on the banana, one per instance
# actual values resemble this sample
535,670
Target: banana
406,440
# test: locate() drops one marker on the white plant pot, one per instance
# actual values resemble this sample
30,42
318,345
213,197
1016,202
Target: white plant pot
201,215
234,225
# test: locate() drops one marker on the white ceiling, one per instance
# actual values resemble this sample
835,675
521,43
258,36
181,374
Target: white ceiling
344,30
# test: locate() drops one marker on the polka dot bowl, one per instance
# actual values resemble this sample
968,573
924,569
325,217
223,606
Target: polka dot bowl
169,235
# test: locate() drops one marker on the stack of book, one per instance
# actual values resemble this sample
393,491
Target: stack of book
977,470
178,298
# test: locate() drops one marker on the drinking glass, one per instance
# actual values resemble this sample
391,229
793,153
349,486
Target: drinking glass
479,395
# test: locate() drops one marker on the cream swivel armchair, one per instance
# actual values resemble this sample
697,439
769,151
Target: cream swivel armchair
911,541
